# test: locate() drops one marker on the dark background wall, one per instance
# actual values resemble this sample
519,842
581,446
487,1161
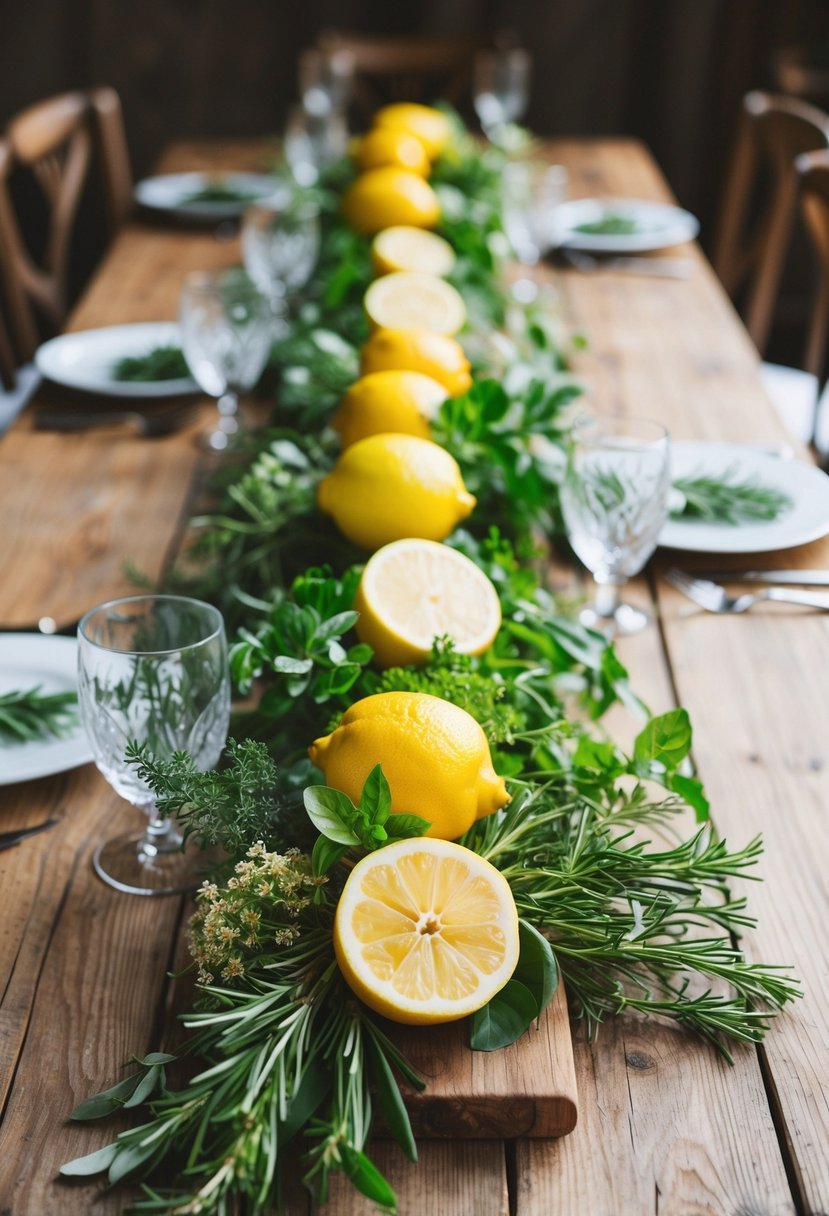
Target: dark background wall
670,71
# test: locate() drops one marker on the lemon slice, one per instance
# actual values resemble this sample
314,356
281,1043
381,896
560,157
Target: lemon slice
426,931
405,248
413,591
410,300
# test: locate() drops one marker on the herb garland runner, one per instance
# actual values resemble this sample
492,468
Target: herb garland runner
284,1061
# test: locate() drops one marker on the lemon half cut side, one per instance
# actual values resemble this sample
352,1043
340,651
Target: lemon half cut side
413,591
409,299
426,931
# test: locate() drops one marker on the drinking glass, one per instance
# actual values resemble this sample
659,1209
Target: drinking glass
280,245
501,86
325,80
151,669
614,499
226,333
531,193
313,141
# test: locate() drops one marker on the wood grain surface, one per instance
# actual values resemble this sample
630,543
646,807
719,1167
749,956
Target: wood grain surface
664,1125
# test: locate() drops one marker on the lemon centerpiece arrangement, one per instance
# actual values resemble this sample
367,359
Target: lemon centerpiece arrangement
418,350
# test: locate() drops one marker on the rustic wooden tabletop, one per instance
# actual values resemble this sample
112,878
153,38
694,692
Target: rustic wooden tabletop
664,1125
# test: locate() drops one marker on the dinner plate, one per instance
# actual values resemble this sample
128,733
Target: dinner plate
805,520
86,360
173,193
28,660
657,225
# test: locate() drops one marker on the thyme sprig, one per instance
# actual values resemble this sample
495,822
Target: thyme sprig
728,498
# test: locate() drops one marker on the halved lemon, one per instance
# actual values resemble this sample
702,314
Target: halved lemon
413,591
426,931
406,248
411,300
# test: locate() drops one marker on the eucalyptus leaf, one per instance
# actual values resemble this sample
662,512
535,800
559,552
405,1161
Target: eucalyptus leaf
107,1101
366,1177
145,1086
92,1163
503,1019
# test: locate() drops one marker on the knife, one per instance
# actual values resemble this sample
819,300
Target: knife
797,578
8,839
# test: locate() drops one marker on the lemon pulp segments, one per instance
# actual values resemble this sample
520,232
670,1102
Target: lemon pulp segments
426,931
413,591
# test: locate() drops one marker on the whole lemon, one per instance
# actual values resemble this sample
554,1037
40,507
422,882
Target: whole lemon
434,755
384,402
389,486
382,198
418,350
389,146
430,126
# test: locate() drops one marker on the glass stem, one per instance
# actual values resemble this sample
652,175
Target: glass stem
607,598
228,405
160,835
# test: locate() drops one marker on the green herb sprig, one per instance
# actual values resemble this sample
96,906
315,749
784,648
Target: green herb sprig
161,363
729,499
30,714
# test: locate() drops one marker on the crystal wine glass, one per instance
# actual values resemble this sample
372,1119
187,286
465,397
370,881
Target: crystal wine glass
325,80
226,334
313,141
280,245
501,87
614,499
532,191
151,669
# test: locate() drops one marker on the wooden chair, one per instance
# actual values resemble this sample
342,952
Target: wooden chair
773,132
403,69
813,176
54,142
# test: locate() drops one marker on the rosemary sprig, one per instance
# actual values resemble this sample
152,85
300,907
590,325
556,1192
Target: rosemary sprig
728,499
31,714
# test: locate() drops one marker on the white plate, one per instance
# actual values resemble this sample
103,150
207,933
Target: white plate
658,225
85,360
171,193
27,660
807,487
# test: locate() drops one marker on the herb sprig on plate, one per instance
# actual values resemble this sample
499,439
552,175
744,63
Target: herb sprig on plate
32,714
162,363
726,498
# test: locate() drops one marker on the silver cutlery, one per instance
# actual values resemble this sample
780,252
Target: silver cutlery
660,268
714,598
795,578
8,839
149,425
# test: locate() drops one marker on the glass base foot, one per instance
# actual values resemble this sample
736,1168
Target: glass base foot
128,864
623,620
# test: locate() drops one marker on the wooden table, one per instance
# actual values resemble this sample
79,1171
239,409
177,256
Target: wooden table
665,1126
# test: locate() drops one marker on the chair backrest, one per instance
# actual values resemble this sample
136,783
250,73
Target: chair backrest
389,69
773,132
54,141
813,176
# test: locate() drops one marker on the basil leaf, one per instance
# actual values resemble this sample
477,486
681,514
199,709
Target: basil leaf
326,853
331,813
399,827
504,1019
691,791
665,740
537,968
375,800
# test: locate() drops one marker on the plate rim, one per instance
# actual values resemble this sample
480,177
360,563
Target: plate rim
82,752
814,474
684,221
205,209
180,386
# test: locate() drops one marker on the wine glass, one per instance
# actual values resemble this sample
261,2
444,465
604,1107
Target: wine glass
313,141
531,193
226,334
151,669
614,500
325,80
280,245
501,85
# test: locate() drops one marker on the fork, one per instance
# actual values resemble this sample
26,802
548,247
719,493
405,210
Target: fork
714,598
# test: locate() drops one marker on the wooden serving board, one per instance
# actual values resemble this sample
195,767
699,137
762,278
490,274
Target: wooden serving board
528,1089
